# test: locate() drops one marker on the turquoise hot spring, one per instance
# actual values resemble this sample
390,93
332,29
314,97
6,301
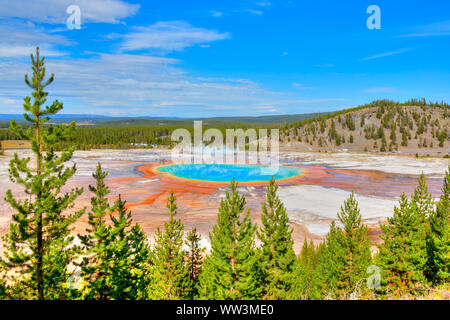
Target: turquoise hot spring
226,172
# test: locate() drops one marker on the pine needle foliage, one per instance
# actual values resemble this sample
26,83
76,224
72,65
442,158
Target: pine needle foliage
231,270
194,262
170,275
278,259
116,253
39,245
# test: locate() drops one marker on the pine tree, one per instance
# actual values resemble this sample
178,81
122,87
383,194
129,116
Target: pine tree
128,257
422,201
403,255
97,240
115,265
278,259
170,272
231,270
331,263
194,262
318,288
357,245
393,135
438,241
341,262
305,272
38,243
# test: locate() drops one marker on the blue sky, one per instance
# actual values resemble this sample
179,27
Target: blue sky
224,58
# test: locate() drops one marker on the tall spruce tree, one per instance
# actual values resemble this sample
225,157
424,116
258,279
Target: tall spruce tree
115,264
194,262
170,274
278,260
38,245
438,241
231,271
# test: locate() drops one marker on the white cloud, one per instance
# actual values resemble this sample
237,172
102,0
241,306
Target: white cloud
104,82
28,34
430,30
267,109
253,11
17,51
320,100
11,105
381,55
145,85
325,65
54,11
263,3
381,90
10,101
300,86
168,36
20,39
216,14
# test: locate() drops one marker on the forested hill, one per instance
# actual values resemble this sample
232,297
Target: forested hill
414,127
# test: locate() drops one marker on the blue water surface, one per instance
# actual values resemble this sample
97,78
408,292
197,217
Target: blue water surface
226,172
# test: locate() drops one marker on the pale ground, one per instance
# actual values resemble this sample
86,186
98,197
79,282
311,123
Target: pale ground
393,164
311,208
306,205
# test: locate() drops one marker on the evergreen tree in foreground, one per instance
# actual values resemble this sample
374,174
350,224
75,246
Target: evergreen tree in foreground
438,241
38,243
194,263
403,254
331,263
344,257
170,274
231,270
97,239
129,256
305,272
115,265
357,246
278,259
317,288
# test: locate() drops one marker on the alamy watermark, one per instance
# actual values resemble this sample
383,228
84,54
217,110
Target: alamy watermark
374,20
374,280
74,281
74,20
